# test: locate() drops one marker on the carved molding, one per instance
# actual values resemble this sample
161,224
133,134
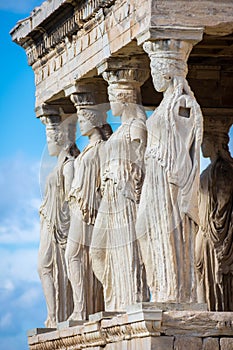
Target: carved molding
125,75
100,337
38,48
88,92
46,110
48,42
119,328
90,8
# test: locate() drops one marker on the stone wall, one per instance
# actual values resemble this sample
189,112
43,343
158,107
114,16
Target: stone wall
144,329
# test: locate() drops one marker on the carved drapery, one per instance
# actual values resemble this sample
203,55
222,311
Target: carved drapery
114,242
214,247
88,97
55,215
168,211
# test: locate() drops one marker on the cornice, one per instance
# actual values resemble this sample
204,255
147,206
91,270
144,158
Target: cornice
37,34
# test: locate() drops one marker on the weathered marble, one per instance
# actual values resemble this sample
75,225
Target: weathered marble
84,34
84,199
55,216
168,211
69,45
114,250
226,344
214,245
211,344
170,330
192,343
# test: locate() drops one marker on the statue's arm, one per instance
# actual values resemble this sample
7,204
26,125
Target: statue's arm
138,132
68,173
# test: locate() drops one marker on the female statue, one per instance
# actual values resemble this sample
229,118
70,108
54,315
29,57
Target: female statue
55,220
114,250
168,213
214,244
84,199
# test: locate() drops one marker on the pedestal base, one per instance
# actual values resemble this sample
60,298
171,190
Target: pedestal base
145,327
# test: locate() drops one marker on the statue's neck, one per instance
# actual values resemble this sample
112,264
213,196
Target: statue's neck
94,136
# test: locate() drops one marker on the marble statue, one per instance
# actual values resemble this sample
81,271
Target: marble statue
214,243
168,211
84,199
114,250
55,220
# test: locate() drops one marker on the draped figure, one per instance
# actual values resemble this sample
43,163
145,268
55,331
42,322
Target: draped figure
55,221
114,249
84,200
168,212
214,245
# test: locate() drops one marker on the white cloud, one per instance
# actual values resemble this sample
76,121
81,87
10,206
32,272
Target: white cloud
12,231
18,265
8,285
6,320
30,297
21,309
20,200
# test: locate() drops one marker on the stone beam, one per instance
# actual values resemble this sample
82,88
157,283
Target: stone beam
215,16
65,40
190,34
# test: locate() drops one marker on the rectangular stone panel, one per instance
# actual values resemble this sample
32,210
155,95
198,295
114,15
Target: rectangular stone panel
162,343
226,343
122,345
211,344
188,343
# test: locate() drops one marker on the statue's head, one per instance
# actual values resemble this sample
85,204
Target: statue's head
215,144
215,137
60,132
168,60
207,146
124,88
90,118
120,97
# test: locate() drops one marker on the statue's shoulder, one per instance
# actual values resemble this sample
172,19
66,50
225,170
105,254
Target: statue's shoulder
68,164
138,130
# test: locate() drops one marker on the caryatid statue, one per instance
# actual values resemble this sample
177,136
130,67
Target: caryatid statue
214,244
114,250
168,211
84,200
55,216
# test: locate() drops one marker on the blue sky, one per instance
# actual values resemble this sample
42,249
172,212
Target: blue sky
22,143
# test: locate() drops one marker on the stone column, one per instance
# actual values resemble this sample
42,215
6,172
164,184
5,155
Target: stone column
168,213
58,117
127,74
55,215
115,256
89,97
214,246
